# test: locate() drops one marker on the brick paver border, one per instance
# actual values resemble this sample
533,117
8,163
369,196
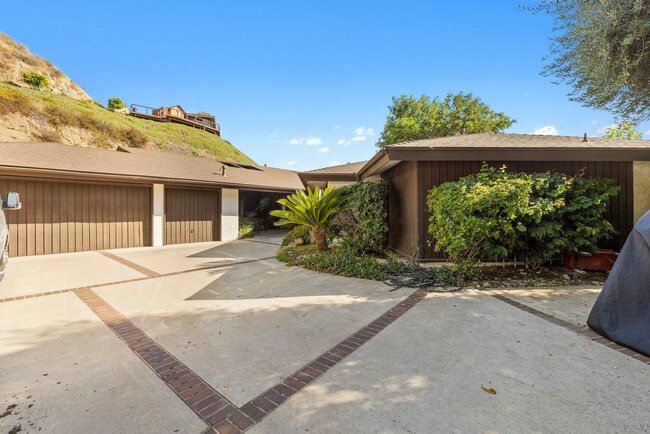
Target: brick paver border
581,330
139,268
137,279
222,416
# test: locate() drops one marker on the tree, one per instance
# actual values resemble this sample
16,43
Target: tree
602,50
623,130
424,118
315,209
115,103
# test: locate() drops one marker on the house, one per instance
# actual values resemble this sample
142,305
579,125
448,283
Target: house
175,111
80,199
413,168
334,176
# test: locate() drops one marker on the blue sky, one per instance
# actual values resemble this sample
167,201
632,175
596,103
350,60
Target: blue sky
304,84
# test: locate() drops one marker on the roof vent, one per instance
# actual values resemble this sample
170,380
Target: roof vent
462,130
585,139
223,170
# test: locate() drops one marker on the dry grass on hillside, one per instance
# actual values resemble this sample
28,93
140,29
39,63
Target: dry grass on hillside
15,59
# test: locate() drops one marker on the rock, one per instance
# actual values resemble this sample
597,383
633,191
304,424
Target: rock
566,277
576,271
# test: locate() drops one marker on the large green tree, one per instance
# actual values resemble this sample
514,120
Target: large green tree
413,118
601,49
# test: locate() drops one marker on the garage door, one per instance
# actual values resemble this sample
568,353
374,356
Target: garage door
191,216
61,217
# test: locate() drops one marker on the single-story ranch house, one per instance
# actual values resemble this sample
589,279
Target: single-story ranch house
79,199
413,168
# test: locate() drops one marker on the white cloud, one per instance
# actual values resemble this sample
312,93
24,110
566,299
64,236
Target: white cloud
604,129
361,131
594,122
313,141
548,130
359,139
291,163
344,142
335,163
309,141
323,150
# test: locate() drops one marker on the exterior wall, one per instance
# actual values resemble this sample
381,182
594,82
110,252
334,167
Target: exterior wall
229,214
404,211
641,170
339,183
158,221
410,182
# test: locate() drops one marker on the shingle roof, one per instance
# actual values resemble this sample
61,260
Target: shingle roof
349,168
150,165
491,140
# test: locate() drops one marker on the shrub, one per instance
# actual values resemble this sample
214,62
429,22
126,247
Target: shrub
115,104
495,214
134,138
36,80
246,229
315,209
299,231
365,225
343,262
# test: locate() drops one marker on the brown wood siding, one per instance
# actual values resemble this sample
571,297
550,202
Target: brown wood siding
404,211
62,217
191,216
619,210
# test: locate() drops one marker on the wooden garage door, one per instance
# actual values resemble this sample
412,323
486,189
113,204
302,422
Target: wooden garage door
61,217
191,216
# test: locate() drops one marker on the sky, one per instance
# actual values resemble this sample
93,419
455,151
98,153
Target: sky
305,84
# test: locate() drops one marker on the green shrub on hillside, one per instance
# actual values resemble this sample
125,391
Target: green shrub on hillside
36,80
495,215
115,104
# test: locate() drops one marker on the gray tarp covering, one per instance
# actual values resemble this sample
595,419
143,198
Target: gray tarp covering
622,311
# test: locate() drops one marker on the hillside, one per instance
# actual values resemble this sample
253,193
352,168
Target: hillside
64,113
15,59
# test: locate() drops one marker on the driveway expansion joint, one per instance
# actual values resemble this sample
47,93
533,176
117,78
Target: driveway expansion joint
584,331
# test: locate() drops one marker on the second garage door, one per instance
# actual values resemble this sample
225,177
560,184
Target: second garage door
191,216
60,217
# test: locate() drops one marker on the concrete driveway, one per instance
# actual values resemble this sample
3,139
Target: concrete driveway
221,337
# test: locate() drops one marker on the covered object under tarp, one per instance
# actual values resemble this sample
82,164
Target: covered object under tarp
622,310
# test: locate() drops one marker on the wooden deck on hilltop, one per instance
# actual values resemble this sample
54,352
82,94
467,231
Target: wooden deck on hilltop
158,115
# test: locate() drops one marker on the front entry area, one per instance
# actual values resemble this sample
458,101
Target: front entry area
191,215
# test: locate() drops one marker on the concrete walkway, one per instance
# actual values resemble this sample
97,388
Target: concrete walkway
218,335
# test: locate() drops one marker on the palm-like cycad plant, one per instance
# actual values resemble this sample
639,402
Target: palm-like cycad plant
315,209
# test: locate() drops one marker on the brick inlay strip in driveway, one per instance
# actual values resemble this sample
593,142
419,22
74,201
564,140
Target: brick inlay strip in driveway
261,406
139,268
137,279
207,403
581,330
213,408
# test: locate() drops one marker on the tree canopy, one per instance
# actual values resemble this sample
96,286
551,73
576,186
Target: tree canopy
623,130
602,50
425,118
